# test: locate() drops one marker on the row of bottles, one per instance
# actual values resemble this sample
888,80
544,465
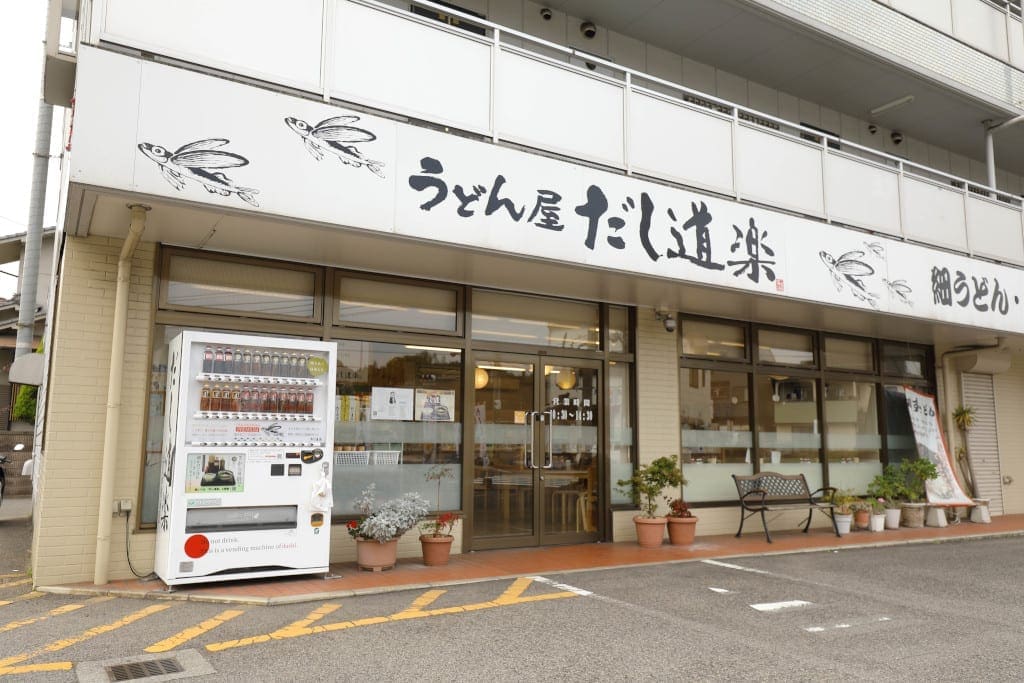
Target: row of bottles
258,362
235,398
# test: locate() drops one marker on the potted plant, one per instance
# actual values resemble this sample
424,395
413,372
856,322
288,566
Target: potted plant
861,508
682,525
645,487
436,539
843,500
877,521
378,530
889,487
915,473
963,417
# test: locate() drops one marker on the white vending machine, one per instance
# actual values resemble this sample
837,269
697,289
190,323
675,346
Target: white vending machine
246,462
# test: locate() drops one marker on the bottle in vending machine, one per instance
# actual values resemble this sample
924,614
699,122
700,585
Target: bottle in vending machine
229,361
215,398
208,359
247,362
267,364
257,364
218,360
275,364
303,372
265,400
236,399
204,397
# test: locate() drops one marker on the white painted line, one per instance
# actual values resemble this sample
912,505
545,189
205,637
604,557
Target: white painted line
718,590
865,622
776,606
735,566
560,586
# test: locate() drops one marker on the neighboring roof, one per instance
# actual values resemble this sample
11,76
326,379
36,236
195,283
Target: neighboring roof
12,245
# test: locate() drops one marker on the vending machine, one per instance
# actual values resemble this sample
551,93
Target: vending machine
246,468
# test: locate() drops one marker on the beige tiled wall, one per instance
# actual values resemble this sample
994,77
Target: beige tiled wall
64,543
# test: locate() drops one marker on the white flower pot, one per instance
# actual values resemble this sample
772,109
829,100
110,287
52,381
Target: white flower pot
877,522
843,523
892,518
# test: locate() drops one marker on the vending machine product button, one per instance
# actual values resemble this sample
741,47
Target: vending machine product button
277,469
294,469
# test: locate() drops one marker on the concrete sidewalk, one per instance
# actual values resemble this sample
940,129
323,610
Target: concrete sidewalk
15,508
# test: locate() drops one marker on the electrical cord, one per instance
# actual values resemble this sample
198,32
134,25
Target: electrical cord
127,550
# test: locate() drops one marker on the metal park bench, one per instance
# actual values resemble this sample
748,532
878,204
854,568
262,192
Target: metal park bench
774,492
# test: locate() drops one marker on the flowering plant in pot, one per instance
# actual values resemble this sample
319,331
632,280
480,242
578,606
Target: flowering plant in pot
378,529
682,524
861,513
436,537
878,507
843,500
645,487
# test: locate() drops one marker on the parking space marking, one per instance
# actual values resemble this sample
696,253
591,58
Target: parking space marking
850,624
777,606
188,634
55,612
513,595
7,663
26,596
719,590
727,565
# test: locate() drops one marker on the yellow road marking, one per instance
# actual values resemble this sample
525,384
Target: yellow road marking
26,596
10,626
19,582
6,663
12,575
513,595
30,668
194,631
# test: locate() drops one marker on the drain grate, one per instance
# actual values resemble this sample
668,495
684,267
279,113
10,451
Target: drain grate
135,670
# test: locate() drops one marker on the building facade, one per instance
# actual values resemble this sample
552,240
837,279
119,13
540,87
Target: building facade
569,238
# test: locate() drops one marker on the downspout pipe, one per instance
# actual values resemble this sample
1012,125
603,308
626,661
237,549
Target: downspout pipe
113,417
33,237
990,154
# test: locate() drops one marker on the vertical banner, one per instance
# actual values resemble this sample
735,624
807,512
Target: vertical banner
945,490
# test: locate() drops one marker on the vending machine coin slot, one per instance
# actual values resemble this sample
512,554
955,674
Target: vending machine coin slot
316,519
294,470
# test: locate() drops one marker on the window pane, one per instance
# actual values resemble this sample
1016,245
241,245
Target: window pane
620,428
518,319
702,338
848,354
393,304
851,427
714,416
904,359
398,413
785,348
788,436
899,437
618,329
242,287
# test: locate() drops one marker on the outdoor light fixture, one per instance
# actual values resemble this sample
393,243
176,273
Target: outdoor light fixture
566,379
906,99
667,318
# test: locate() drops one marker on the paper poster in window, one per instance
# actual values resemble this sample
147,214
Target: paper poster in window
391,403
435,405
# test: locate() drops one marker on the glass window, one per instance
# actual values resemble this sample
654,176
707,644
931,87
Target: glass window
849,354
716,340
787,423
899,437
516,319
620,428
398,414
382,303
776,347
852,437
618,329
236,286
904,359
714,409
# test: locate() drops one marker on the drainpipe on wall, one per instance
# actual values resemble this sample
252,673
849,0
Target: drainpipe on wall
990,155
113,418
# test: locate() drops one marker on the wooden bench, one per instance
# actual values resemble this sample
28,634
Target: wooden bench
774,492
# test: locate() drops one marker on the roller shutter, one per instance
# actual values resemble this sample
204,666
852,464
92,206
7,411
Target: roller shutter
982,442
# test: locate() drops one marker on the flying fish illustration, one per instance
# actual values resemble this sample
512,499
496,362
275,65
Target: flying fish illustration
848,270
876,248
337,136
900,289
197,161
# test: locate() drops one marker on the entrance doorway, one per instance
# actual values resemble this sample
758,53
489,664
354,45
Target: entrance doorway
537,445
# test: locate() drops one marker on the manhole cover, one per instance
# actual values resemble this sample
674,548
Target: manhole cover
148,668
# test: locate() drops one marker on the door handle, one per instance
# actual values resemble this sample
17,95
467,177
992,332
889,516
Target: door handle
549,456
528,451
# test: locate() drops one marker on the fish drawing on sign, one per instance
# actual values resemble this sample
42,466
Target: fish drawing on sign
848,270
337,136
876,248
900,289
198,161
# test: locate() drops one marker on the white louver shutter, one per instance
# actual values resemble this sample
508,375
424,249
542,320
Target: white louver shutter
982,442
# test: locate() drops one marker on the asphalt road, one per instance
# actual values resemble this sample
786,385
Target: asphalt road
935,612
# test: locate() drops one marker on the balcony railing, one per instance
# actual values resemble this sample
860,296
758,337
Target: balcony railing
511,87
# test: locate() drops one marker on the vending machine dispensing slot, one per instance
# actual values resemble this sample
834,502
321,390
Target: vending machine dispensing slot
248,420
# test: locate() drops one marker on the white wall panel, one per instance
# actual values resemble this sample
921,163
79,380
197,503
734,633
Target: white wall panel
549,106
1015,36
932,213
267,39
672,141
861,194
981,25
994,230
416,68
779,171
936,13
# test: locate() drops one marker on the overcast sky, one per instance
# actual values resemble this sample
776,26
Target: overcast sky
21,51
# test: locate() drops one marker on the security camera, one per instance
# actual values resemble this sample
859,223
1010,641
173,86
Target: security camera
546,14
872,128
588,29
896,137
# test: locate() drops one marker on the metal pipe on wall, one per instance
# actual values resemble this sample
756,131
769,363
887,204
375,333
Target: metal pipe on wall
113,417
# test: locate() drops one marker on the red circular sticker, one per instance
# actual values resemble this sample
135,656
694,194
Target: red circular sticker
196,546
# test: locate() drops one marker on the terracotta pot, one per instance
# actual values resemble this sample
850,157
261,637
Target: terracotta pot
374,556
436,549
913,515
861,518
681,530
649,531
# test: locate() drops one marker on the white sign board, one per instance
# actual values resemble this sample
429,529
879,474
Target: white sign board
931,445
